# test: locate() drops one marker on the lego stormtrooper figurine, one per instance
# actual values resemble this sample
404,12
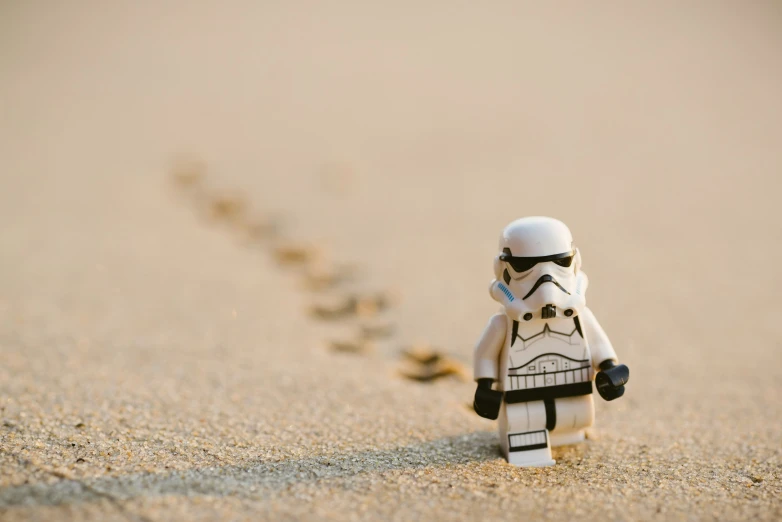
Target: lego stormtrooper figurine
545,347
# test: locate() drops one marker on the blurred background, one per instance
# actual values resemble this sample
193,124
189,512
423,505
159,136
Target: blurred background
398,138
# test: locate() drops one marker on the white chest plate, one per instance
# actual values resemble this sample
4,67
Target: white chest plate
546,353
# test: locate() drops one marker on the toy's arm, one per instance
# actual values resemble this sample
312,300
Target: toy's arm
486,367
487,349
598,342
611,377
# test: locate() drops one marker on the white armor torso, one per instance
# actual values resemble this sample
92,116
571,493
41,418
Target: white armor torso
544,353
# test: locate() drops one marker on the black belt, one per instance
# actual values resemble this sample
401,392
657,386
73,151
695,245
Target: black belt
549,392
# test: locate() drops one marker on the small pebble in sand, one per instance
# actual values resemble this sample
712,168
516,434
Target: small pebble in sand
227,208
322,278
338,308
357,346
188,173
295,254
371,305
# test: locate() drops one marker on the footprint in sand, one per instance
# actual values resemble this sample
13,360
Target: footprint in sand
352,305
425,364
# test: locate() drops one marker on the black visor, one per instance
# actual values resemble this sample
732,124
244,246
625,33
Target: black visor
522,264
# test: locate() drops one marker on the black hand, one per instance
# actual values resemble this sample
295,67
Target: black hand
487,401
611,380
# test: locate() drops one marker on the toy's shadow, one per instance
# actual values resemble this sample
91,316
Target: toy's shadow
258,478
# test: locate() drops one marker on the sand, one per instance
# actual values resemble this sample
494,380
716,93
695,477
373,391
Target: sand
184,190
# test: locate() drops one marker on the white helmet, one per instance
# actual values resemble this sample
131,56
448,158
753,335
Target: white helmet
536,250
536,236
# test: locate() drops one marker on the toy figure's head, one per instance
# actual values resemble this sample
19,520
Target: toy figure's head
540,265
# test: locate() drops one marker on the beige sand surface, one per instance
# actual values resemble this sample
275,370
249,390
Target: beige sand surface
157,363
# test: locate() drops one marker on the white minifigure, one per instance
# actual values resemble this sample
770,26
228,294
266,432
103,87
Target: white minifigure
544,348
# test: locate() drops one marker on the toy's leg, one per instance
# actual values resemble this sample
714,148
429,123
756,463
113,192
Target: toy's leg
523,435
573,415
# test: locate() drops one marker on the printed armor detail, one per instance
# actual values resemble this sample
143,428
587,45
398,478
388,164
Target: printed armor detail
548,364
